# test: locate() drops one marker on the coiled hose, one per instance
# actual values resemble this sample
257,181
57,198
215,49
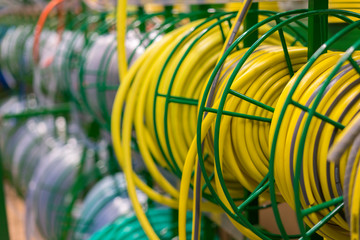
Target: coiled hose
320,180
243,156
348,140
154,70
104,203
128,227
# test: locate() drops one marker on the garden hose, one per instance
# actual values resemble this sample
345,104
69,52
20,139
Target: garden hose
143,82
229,40
320,180
48,188
349,141
99,77
122,146
260,80
27,153
40,25
353,193
104,203
128,227
121,22
45,85
348,138
12,50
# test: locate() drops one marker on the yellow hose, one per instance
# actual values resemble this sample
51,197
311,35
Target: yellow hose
121,13
321,180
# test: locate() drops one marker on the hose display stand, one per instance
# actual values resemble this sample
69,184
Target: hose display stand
216,187
219,114
270,182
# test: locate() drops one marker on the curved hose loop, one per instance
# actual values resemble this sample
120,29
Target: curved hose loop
128,227
168,148
122,141
238,217
311,114
168,25
39,27
288,101
104,120
299,14
82,183
82,30
173,165
77,26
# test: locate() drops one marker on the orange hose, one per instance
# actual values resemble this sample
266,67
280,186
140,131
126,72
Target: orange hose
40,25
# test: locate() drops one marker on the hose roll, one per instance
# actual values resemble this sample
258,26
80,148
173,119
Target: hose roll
49,189
244,142
99,75
320,180
105,202
128,227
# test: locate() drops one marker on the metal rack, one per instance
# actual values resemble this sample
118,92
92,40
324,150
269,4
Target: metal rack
315,23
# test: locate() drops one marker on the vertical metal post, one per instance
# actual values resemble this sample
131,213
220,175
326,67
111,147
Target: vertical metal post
210,229
4,231
251,19
318,26
253,214
141,13
317,35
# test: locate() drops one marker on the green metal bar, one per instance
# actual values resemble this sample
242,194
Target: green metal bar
205,184
240,115
238,217
174,218
253,196
318,26
354,64
253,101
323,221
321,206
4,231
251,19
141,13
181,100
39,112
210,229
286,52
222,31
316,114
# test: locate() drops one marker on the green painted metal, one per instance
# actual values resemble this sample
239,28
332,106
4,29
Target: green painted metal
173,165
251,19
60,109
81,185
318,26
250,100
4,230
322,222
321,116
238,216
308,121
311,114
140,13
296,15
323,205
169,97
